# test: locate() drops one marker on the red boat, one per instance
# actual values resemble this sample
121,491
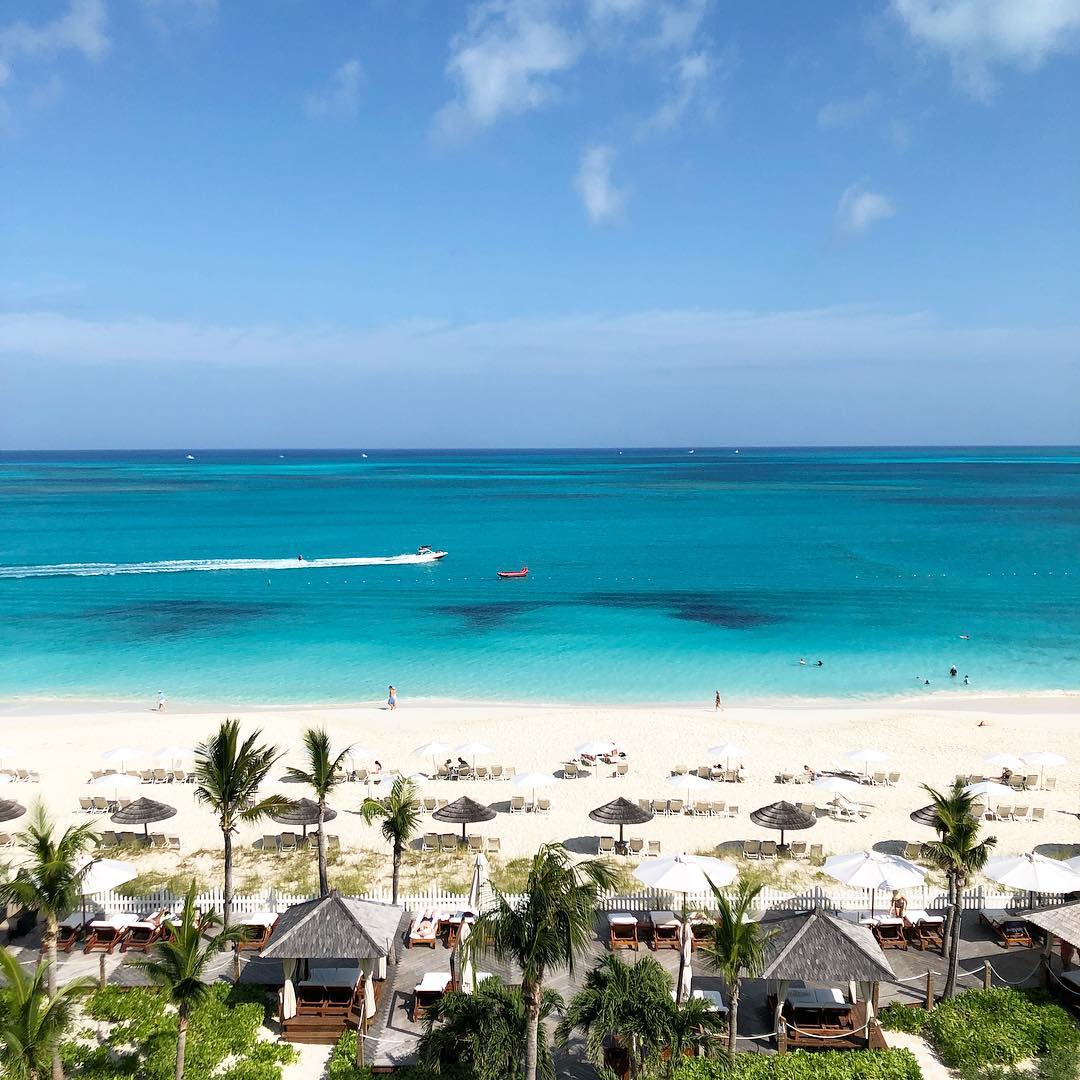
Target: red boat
523,572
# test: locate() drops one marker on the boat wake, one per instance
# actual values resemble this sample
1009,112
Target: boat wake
186,566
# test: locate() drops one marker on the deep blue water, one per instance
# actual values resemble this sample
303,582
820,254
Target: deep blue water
655,575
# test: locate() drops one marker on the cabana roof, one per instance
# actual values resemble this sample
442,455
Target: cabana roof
1062,922
302,812
464,811
144,812
10,810
817,947
783,815
621,811
335,928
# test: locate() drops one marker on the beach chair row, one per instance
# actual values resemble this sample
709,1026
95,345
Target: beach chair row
1016,782
635,847
767,849
1005,812
290,841
696,808
711,772
453,842
571,770
154,841
149,776
25,776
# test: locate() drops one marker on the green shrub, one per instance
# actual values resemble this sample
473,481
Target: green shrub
909,1018
341,1066
802,1065
999,1027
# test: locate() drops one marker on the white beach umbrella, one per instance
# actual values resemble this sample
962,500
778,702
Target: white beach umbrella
474,750
985,787
1033,873
1073,863
685,873
104,875
6,778
689,782
480,896
115,780
727,751
533,780
686,971
1042,758
123,754
595,747
836,785
866,756
432,750
874,870
1004,761
173,753
464,967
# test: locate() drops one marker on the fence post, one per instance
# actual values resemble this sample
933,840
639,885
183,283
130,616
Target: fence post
929,990
987,975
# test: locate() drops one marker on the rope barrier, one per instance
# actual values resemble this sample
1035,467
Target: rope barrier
1007,982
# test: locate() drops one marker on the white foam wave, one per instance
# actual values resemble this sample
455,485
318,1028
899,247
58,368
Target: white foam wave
184,566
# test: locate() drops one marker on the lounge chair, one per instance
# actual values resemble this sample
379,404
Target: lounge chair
665,929
481,772
912,851
1050,783
924,930
517,804
287,842
621,769
424,931
704,772
147,776
570,771
268,843
752,849
889,934
1016,782
173,842
701,808
101,804
1031,781
733,810
645,804
622,931
1038,813
158,841
69,930
496,772
892,779
144,933
978,810
440,803
429,841
108,839
161,776
476,843
542,806
6,840
509,772
731,776
86,805
797,849
653,848
817,851
427,992
1008,929
768,849
1003,813
107,933
429,806
718,809
808,808
606,845
448,841
636,845
1021,813
659,806
679,770
674,806
879,779
494,845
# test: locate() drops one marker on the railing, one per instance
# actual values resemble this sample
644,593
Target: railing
831,899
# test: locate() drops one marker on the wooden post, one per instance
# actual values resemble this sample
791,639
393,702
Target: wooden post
101,971
236,961
929,990
987,975
1044,961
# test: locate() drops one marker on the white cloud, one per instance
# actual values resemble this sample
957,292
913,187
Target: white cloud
858,209
504,62
848,111
81,29
340,97
690,83
603,201
978,35
680,22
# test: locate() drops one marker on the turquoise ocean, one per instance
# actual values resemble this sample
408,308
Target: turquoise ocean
655,575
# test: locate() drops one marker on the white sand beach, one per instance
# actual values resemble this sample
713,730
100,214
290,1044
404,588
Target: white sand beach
928,740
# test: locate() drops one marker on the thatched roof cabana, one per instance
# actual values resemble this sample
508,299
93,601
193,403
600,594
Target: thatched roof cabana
783,816
464,811
621,812
302,812
10,810
816,947
144,812
335,928
1063,922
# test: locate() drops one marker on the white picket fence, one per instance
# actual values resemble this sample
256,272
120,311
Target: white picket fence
831,899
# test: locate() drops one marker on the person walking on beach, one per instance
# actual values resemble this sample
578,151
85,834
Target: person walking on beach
391,701
719,703
161,701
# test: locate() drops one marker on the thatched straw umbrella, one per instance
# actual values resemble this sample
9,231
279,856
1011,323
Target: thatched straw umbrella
143,812
10,810
464,811
621,812
303,812
783,816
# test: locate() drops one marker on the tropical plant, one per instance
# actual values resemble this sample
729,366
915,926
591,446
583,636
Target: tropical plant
179,961
484,1032
33,1020
550,928
891,1064
738,946
229,773
961,854
323,774
632,1004
400,817
50,879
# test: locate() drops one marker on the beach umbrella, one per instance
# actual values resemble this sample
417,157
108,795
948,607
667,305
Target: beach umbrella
874,870
480,897
10,810
727,751
689,782
432,750
464,967
464,811
474,750
303,812
173,754
621,812
926,815
685,873
103,875
534,780
686,971
784,816
595,747
1042,758
1033,873
144,812
865,756
123,754
1004,761
117,782
984,787
836,785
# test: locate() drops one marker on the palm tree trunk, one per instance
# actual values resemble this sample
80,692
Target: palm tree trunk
49,948
952,936
397,871
324,887
531,994
226,904
181,1042
733,1016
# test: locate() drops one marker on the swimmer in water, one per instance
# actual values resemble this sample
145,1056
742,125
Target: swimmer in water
820,663
299,558
965,637
952,672
802,661
967,681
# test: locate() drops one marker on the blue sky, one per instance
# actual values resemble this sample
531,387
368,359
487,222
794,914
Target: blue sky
538,222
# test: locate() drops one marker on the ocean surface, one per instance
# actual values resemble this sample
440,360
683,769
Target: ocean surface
655,575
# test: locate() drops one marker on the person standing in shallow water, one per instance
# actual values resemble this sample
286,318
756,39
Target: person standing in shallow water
719,704
391,700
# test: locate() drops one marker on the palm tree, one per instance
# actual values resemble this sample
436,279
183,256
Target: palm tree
633,1004
961,854
485,1032
737,947
229,773
322,775
33,1021
400,819
50,879
549,929
179,962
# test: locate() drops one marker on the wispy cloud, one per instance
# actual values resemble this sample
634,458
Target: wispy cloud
165,15
848,112
602,199
858,209
340,96
691,79
979,35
